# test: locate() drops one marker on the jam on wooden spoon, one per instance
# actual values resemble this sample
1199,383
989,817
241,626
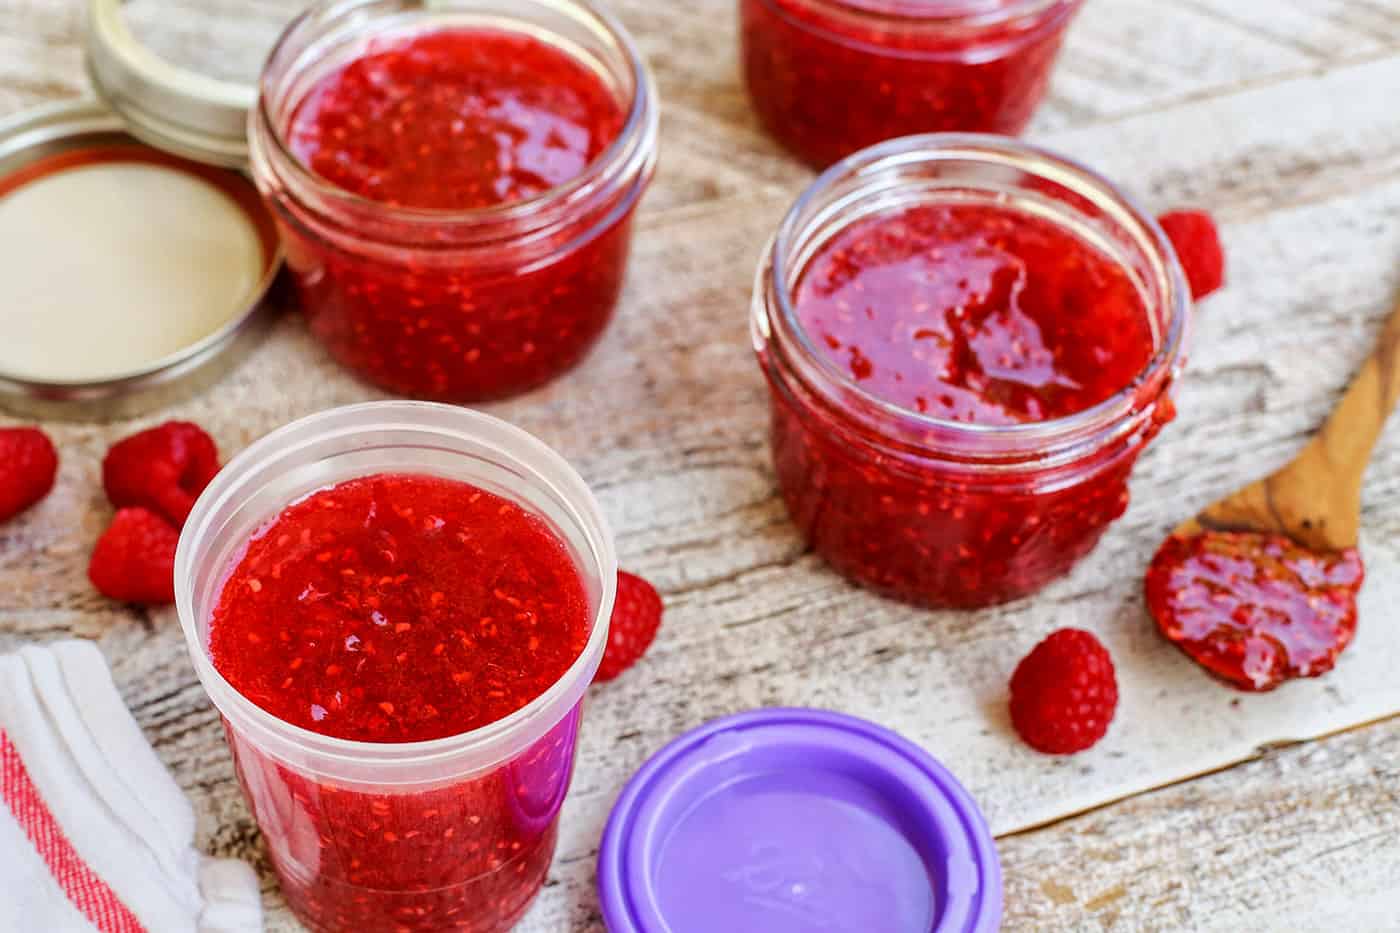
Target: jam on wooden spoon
1261,586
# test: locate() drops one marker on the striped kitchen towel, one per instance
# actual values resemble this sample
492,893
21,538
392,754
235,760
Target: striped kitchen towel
94,833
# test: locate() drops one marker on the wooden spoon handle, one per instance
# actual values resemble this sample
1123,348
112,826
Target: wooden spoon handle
1317,498
1351,431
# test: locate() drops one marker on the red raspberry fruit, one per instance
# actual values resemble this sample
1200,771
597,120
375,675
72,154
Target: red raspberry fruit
636,617
163,469
28,465
1197,243
1064,693
134,560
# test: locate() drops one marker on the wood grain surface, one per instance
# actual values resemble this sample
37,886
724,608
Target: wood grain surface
1315,498
1281,117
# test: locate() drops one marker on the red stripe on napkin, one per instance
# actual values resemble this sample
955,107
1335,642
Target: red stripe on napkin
88,892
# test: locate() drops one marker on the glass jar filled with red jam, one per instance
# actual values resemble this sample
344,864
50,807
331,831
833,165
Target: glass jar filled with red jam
455,184
396,608
829,77
968,342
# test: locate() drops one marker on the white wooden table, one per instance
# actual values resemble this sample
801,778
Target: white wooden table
1282,116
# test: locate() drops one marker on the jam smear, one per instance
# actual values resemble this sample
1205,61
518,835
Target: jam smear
967,313
456,119
399,608
461,120
1255,609
975,314
829,77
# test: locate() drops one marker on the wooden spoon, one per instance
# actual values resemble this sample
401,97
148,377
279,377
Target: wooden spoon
1316,499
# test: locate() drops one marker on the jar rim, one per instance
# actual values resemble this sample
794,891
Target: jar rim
633,152
945,13
1029,437
369,418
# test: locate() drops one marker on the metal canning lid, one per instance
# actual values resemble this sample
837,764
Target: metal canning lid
176,109
791,820
56,143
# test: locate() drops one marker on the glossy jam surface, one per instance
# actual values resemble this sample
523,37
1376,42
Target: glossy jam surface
457,120
829,77
972,314
400,608
1255,610
975,314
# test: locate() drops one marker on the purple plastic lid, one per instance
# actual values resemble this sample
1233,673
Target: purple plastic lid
795,821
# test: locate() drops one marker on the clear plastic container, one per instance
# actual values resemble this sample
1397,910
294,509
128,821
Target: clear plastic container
944,513
829,77
456,305
452,834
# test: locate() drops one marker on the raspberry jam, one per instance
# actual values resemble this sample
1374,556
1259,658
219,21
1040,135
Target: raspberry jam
829,77
975,313
1255,609
402,608
522,117
456,202
399,609
962,384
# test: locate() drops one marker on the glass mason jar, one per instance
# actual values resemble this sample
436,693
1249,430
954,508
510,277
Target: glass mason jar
943,513
452,834
455,305
829,77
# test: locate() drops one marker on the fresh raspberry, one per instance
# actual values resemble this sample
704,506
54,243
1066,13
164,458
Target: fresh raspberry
1063,693
28,465
636,617
1197,244
134,560
163,469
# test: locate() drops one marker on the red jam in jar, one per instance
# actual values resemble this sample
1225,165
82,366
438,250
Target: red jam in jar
455,120
829,77
456,201
401,608
962,379
975,313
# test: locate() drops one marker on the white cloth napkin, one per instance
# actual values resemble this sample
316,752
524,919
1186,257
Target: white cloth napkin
94,833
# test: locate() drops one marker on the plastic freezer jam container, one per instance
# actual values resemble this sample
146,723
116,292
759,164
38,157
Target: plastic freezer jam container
400,826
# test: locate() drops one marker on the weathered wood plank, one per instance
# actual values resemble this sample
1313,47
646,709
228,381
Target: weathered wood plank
667,422
1326,30
1301,840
